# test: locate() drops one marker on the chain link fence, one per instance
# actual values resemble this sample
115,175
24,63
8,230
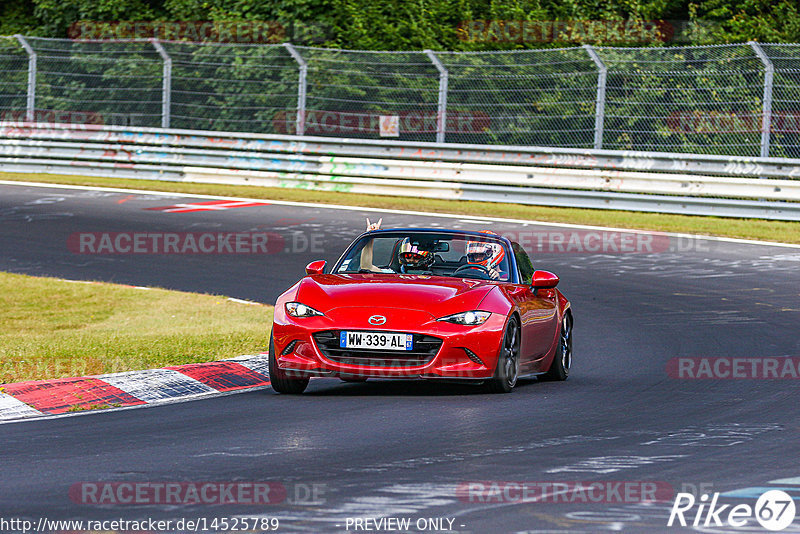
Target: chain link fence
14,79
231,87
532,97
115,83
705,100
740,99
785,99
349,91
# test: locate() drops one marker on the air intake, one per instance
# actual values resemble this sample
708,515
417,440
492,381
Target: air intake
289,348
474,357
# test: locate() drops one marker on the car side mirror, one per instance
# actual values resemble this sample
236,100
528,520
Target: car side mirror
544,280
316,267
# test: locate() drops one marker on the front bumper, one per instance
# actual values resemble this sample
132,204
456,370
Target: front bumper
307,347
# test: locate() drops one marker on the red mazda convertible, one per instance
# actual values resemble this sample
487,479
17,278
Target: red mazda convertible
423,303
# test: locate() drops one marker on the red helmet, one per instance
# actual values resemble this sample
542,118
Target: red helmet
488,254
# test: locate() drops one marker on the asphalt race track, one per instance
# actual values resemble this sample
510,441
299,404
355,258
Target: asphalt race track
400,449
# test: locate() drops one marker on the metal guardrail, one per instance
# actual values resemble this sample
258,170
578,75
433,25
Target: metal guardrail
725,186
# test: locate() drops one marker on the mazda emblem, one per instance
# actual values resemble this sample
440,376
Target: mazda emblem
377,320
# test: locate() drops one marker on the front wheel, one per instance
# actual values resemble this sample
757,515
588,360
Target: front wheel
507,371
279,380
559,369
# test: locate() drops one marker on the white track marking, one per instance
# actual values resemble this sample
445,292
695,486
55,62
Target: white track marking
398,212
242,301
793,481
603,465
11,408
95,282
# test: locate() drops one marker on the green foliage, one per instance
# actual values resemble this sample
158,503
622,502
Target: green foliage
16,16
55,16
416,24
767,21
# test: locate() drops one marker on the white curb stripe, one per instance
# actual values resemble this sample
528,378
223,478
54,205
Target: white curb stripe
257,363
11,408
155,385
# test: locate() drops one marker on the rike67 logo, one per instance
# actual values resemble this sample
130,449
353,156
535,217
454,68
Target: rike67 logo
774,510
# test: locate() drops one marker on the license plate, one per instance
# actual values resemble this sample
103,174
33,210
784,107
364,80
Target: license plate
376,340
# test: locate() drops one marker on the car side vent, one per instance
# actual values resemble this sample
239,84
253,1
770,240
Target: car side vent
289,348
474,357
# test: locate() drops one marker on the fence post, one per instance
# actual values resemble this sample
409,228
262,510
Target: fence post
441,115
766,108
30,111
166,84
600,102
300,127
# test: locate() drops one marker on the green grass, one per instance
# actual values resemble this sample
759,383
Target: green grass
787,232
52,328
88,407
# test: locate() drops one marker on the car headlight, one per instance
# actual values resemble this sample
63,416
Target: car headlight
468,318
296,309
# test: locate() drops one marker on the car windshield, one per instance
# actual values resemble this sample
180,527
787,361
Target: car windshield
435,254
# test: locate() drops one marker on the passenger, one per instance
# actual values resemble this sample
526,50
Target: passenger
366,252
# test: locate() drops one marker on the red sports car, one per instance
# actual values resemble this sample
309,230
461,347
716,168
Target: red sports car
423,303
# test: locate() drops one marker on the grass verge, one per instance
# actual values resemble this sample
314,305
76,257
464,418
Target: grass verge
786,232
51,328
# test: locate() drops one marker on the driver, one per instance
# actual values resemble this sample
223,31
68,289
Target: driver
412,258
488,255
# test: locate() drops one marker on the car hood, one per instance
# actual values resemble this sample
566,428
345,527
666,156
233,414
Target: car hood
436,295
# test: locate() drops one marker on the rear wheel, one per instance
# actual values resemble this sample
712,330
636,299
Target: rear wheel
507,371
559,369
278,378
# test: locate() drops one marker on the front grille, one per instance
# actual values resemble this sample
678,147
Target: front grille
425,349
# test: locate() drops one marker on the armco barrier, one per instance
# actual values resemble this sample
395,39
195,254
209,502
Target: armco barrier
667,183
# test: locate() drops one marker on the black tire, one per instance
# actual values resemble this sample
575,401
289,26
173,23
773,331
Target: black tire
559,369
280,382
507,370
